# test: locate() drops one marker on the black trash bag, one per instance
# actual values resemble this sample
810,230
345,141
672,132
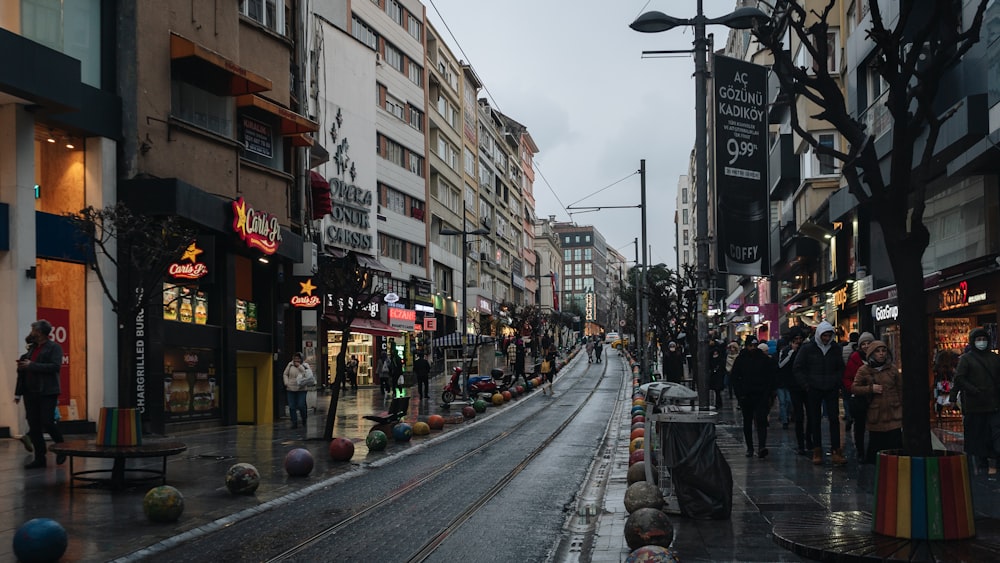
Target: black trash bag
701,478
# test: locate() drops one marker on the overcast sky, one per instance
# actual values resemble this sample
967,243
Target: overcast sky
573,73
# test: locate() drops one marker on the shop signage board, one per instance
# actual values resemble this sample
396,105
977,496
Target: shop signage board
348,225
257,137
403,319
258,229
741,159
430,324
340,305
190,266
591,306
305,299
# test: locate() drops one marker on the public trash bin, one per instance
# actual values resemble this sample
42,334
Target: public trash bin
700,478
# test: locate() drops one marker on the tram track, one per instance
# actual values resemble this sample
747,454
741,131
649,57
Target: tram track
431,545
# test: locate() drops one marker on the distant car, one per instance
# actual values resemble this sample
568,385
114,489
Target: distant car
610,337
619,343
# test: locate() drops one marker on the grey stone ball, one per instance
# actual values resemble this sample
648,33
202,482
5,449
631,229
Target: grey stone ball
637,472
648,526
643,495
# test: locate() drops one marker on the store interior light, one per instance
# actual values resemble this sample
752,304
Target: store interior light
69,144
51,138
263,260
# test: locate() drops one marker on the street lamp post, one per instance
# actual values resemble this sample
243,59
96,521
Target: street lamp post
655,22
465,290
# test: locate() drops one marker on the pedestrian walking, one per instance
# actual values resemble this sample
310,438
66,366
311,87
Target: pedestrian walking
590,351
598,350
519,359
732,350
796,394
846,350
857,404
880,382
352,372
298,378
716,371
547,369
975,390
819,369
396,373
422,369
384,373
511,354
673,364
754,381
38,384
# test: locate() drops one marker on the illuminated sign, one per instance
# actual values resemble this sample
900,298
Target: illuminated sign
591,306
258,229
341,305
191,270
305,299
840,298
954,297
430,324
402,318
752,309
885,312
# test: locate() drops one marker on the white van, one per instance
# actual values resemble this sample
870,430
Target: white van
610,337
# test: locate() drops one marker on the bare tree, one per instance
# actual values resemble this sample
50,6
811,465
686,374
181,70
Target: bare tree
913,58
354,289
139,248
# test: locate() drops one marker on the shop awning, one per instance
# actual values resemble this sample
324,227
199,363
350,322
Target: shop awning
302,140
291,122
322,204
210,70
368,326
455,339
372,263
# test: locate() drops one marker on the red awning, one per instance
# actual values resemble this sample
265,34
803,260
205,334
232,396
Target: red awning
369,326
322,202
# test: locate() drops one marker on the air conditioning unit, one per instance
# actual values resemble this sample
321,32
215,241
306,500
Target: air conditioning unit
486,222
483,257
471,283
379,59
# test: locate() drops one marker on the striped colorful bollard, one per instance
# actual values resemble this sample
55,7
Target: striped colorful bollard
923,497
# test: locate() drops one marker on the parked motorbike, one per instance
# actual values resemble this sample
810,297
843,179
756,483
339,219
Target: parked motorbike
497,381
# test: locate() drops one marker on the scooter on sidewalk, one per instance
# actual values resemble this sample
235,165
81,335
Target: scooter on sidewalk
478,385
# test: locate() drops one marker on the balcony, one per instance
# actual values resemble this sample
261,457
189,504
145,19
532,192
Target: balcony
876,118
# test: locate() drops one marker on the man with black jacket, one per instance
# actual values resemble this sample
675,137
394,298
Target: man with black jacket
38,383
819,370
754,381
795,394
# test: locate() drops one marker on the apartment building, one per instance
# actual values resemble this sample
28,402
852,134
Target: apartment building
585,289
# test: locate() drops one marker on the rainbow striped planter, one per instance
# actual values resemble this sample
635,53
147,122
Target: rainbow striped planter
119,427
926,498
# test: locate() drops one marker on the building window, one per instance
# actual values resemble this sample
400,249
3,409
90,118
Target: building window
578,269
73,28
416,164
686,237
470,198
567,270
395,200
823,164
684,216
265,12
416,118
687,256
588,269
588,253
199,107
364,34
577,254
414,28
684,195
395,12
394,152
415,73
394,106
393,57
470,162
567,255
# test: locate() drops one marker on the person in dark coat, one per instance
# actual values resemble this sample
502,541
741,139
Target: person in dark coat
879,380
520,357
716,371
673,364
977,378
754,381
38,383
797,395
819,369
422,369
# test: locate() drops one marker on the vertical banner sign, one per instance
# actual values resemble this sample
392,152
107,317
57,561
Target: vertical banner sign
59,318
742,209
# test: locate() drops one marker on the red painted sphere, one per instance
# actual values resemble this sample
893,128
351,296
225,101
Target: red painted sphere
341,449
435,421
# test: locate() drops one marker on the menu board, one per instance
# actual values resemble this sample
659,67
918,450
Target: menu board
184,303
246,315
171,294
190,385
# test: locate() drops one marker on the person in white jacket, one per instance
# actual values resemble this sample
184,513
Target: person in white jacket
298,378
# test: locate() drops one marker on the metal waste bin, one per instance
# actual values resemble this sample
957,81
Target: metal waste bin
700,477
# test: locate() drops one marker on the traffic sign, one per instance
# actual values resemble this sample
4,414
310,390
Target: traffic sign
621,323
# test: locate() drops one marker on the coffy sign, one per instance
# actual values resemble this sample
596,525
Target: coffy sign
258,229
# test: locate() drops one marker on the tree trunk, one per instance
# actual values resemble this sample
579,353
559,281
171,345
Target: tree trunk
905,258
338,381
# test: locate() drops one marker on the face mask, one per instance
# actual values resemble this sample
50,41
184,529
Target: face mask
981,344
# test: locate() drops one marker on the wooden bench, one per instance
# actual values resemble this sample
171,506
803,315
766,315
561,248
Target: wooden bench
115,478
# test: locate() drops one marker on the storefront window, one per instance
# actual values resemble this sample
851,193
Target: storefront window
956,218
72,28
359,345
190,385
62,301
59,171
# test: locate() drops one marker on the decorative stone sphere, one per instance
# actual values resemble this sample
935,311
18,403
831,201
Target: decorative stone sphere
638,418
638,455
639,402
242,479
163,504
507,395
637,433
637,410
636,472
40,540
529,385
479,405
648,526
643,495
635,444
299,462
435,421
402,432
341,449
652,554
497,399
421,429
376,441
468,412
520,389
636,425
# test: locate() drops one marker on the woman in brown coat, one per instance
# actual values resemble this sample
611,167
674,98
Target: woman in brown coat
881,381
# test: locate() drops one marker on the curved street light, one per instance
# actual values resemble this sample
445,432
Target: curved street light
655,22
